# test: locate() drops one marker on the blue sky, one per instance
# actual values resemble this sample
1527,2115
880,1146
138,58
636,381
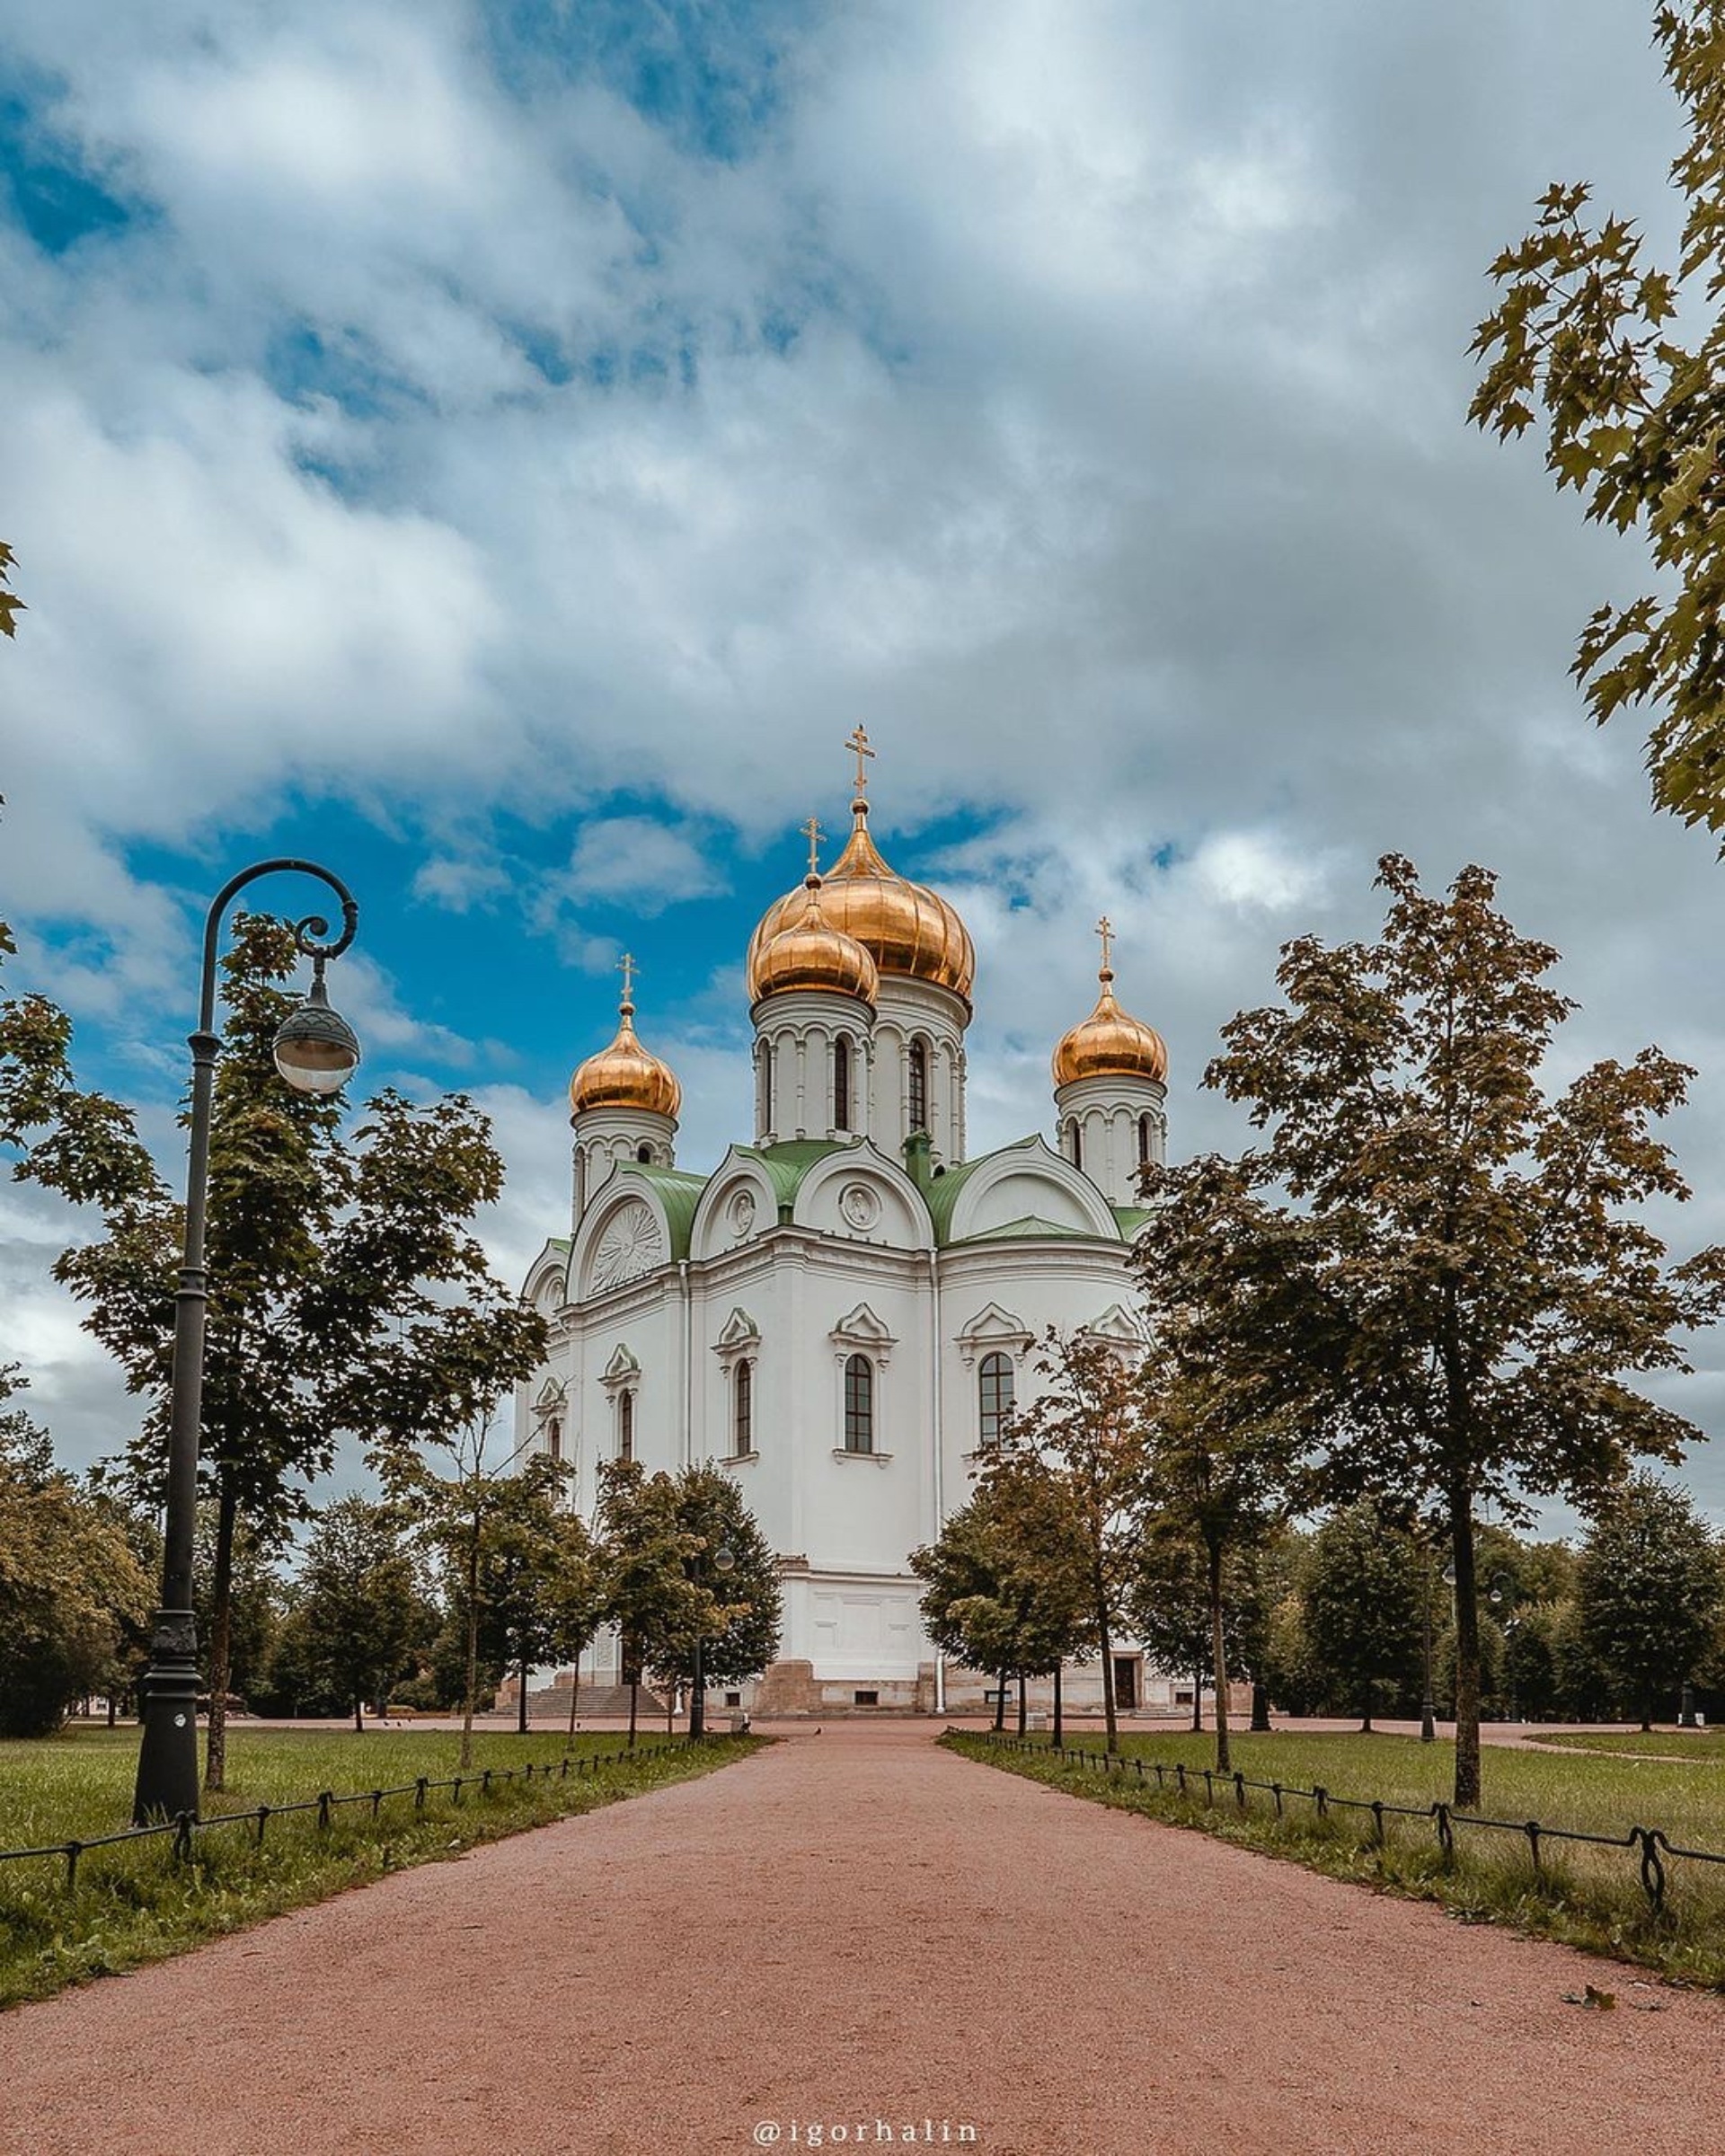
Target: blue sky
502,451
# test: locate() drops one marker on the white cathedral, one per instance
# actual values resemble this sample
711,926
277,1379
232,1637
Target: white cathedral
842,1312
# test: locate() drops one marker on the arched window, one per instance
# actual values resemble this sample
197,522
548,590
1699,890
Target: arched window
644,1154
625,1426
1078,1146
995,1396
918,1100
763,1088
1143,1141
859,1405
554,1438
842,1082
742,1410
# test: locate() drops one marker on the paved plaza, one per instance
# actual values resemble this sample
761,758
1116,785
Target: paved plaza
858,1931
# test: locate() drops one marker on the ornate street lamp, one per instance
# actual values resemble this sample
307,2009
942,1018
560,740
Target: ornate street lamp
315,1051
724,1560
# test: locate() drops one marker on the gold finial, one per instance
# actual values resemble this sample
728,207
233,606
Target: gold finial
1105,930
627,968
859,742
813,833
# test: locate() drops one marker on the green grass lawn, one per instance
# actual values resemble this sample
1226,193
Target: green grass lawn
1591,1897
134,1904
1668,1743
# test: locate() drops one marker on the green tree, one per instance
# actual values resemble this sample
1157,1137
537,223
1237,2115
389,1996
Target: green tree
11,605
1650,1591
1084,1433
1588,330
1362,1594
579,1599
1455,1292
654,1603
736,1612
1007,1587
360,1614
346,1289
69,1584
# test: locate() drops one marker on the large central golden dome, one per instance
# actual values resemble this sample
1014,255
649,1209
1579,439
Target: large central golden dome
907,928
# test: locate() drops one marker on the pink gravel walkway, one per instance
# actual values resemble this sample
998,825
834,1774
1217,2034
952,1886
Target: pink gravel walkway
859,1932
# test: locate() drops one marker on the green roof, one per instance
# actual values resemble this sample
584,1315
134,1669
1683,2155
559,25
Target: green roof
787,1164
1029,1227
940,1193
679,1194
1131,1219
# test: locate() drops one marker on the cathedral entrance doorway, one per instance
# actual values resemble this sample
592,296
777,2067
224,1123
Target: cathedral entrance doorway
1125,1683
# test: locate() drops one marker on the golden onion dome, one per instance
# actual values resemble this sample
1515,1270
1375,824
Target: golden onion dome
1111,1043
810,952
625,1075
906,928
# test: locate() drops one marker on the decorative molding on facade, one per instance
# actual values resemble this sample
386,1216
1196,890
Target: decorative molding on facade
992,1331
739,1335
623,1370
862,1333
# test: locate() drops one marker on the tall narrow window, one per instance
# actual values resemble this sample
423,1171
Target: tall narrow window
763,1089
554,1438
842,1082
625,1426
918,1102
743,1410
995,1396
1143,1141
859,1405
1077,1147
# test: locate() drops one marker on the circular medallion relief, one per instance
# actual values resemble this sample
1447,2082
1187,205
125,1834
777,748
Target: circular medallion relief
630,1246
859,1205
740,1213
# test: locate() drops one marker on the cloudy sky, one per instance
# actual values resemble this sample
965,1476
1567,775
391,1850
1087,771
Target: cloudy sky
501,451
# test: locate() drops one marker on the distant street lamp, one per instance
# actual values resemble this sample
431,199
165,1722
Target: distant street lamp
724,1560
316,1052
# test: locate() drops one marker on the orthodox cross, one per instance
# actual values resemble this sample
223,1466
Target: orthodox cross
1105,930
812,832
627,968
859,741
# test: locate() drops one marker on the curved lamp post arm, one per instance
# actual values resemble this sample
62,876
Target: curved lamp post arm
167,1766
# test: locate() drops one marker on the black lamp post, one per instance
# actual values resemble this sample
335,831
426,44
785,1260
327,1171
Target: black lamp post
1428,1705
315,1051
724,1560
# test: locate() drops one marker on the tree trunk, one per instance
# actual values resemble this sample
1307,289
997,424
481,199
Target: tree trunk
1366,1708
1059,1727
1259,1708
635,1705
1000,1699
1024,1719
1467,1652
1218,1655
521,1711
1197,1703
1647,1712
359,1714
574,1695
221,1638
473,1641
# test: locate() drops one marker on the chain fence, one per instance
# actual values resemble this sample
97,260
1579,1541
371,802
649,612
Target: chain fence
184,1827
1648,1846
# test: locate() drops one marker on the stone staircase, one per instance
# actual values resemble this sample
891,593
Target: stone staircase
548,1704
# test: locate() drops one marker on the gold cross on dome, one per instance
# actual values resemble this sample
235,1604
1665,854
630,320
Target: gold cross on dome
859,741
627,968
1105,930
813,833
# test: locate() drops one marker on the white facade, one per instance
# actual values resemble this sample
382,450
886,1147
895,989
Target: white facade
834,1312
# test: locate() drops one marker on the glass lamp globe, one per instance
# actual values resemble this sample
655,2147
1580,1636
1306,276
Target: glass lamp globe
724,1560
316,1050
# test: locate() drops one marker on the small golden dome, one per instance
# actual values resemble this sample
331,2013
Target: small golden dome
624,1075
809,952
905,928
1109,1044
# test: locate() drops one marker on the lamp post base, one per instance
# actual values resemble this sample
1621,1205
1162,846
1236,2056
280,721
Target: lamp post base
167,1759
1428,1724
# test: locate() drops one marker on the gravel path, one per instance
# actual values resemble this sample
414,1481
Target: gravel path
858,1930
